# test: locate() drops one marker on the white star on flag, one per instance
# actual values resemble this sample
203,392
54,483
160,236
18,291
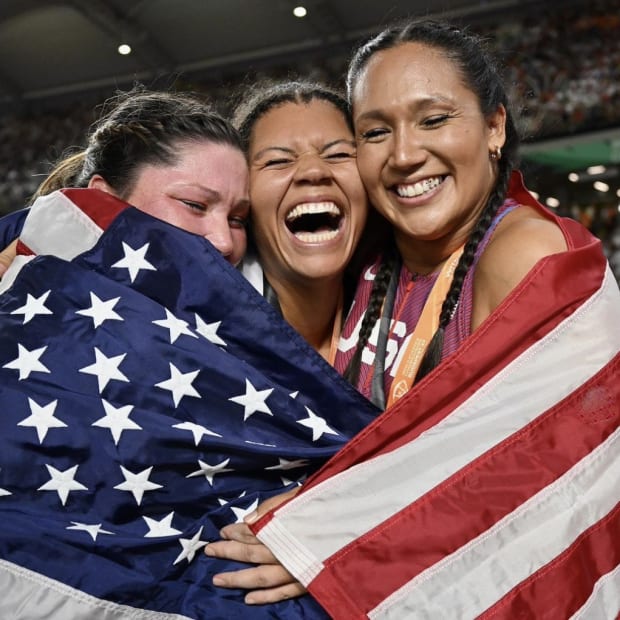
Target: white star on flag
180,384
42,418
317,424
137,484
33,306
92,530
134,260
159,529
241,513
209,471
284,464
286,482
294,395
190,546
196,430
253,400
117,420
209,330
62,482
27,362
4,492
176,326
100,311
105,369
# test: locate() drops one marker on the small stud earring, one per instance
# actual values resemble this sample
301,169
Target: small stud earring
496,155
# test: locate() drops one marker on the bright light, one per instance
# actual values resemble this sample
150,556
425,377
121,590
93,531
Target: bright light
124,49
535,194
552,202
596,170
618,193
600,186
300,11
573,177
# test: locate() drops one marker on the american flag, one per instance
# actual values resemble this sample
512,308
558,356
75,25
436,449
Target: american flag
492,490
149,396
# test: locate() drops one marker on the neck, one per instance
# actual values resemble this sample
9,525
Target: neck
311,309
424,257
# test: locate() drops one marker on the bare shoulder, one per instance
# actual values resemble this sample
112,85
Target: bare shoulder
522,238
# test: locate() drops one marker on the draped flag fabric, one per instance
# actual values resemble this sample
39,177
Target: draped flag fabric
492,489
149,396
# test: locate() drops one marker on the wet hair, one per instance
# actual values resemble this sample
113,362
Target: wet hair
139,127
262,98
480,73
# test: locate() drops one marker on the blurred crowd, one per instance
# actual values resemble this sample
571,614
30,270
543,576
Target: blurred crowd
563,67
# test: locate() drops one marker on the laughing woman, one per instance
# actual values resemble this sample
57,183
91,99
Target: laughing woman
308,204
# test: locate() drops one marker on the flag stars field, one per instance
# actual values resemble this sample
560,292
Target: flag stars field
161,528
317,424
92,530
42,418
179,384
197,430
63,482
137,484
210,471
100,311
209,330
117,420
33,307
190,547
134,260
177,327
253,400
27,362
105,369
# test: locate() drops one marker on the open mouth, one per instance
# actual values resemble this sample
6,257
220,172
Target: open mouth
314,222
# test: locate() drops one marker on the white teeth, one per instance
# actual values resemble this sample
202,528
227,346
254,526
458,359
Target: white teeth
417,189
312,207
309,237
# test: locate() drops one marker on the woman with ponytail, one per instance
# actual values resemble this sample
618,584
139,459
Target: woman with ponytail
437,147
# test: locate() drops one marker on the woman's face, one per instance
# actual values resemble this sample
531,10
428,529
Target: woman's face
308,202
423,144
204,192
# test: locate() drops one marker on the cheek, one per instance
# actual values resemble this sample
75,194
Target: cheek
239,242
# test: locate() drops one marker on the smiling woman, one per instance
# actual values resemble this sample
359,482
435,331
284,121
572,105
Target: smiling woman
308,203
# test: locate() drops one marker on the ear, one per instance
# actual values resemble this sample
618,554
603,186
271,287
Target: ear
98,182
496,124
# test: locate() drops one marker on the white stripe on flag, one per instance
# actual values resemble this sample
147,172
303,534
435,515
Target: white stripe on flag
55,225
604,604
465,583
541,376
36,597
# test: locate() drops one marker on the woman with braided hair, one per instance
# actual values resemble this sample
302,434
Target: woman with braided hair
437,146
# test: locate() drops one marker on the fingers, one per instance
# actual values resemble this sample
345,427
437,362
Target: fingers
239,532
273,595
269,576
241,552
6,257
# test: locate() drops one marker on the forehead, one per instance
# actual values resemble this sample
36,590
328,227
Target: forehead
291,123
414,68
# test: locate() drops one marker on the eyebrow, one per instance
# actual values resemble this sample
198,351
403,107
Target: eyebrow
288,151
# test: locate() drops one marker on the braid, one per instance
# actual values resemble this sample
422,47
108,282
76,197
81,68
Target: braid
377,296
433,354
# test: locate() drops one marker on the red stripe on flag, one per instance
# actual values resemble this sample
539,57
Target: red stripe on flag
22,249
478,496
101,207
534,308
562,587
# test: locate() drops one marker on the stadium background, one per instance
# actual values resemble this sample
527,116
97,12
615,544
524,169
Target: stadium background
59,60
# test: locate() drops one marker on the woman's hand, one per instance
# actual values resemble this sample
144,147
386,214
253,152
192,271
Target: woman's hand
270,581
6,257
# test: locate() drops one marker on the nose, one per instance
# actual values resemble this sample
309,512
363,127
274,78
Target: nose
312,168
407,150
218,233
